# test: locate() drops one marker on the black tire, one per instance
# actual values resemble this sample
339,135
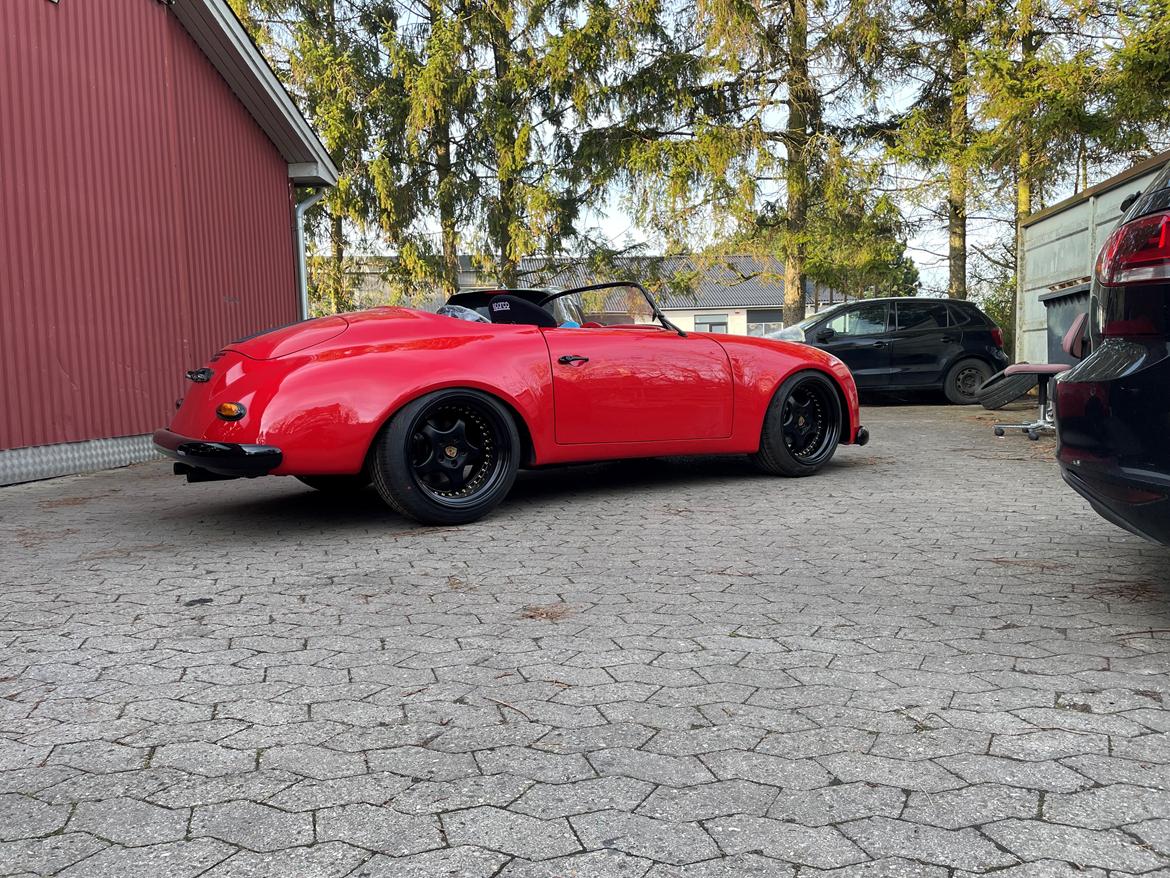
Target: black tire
964,380
998,390
448,457
801,427
337,484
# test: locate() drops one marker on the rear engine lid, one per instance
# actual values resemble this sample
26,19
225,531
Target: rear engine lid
284,340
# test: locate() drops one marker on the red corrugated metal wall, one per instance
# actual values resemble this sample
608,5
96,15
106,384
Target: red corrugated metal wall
145,219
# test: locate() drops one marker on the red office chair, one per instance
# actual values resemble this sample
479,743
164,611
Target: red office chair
1072,344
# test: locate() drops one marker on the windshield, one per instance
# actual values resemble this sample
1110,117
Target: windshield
636,295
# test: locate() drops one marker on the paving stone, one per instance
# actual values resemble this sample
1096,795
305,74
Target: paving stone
837,804
204,758
907,774
702,802
252,826
464,861
886,867
422,764
320,763
130,822
329,860
25,817
658,840
1105,807
594,864
821,847
738,866
1049,776
594,794
535,764
1108,849
48,856
653,767
971,806
310,794
766,769
379,829
955,849
177,859
517,834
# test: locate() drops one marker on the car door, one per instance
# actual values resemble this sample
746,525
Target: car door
638,384
858,336
923,343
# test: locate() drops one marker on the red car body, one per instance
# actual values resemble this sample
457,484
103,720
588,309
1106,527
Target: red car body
317,393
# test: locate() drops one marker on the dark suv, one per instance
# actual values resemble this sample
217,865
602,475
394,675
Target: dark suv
909,344
1113,408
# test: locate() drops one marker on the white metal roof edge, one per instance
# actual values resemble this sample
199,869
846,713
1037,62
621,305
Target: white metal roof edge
216,30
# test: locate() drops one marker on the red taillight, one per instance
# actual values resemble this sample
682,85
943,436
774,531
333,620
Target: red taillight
997,336
1138,251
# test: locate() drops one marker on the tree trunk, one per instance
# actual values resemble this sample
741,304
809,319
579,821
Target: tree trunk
796,167
956,164
506,172
337,291
1024,169
446,200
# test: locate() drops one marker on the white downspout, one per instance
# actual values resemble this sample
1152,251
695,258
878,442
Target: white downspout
302,268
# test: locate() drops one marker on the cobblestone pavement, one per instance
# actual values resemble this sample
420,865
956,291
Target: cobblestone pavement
930,660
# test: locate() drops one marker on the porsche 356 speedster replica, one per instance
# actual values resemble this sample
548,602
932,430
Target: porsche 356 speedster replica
439,410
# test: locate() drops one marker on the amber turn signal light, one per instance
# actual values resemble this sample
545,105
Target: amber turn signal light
230,411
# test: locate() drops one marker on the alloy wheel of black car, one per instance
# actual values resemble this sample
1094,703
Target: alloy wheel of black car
447,458
802,426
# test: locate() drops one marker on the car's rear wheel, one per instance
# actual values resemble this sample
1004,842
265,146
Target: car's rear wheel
337,484
964,380
447,458
801,427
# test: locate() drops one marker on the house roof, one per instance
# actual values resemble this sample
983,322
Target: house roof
731,282
216,30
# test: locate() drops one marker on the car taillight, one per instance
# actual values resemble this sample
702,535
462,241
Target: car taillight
1136,252
997,336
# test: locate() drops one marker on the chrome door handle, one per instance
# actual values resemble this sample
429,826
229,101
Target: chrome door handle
569,359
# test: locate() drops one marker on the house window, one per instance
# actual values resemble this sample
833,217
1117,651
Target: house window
761,321
711,323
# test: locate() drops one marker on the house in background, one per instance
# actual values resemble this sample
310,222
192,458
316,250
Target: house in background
148,217
1060,247
741,295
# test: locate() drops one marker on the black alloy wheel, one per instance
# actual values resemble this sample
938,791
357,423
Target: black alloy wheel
802,427
456,451
447,458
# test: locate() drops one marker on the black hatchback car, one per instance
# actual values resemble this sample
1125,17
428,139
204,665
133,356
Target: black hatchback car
1113,408
909,344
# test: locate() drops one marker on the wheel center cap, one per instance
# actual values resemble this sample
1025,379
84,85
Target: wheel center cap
451,451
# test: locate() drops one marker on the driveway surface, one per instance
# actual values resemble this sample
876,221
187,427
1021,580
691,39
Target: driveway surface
930,660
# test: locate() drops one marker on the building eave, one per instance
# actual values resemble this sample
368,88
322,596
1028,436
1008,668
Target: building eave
218,33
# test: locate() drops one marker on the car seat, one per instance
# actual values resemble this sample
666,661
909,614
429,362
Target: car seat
513,309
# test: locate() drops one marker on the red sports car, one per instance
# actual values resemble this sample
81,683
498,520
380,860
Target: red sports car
440,410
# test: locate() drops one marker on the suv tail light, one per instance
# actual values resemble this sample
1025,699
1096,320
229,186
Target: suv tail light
1136,252
997,336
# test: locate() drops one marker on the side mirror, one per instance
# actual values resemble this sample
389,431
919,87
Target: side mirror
825,334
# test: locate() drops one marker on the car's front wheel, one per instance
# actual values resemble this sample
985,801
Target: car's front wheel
801,427
448,457
964,380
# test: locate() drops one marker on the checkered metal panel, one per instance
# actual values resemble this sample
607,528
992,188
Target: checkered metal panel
67,458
